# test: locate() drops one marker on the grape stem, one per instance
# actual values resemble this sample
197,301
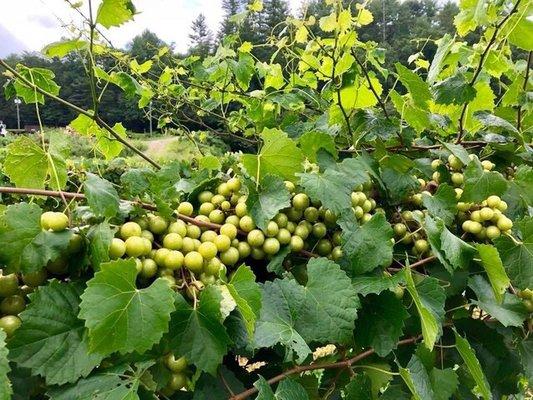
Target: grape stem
146,206
346,363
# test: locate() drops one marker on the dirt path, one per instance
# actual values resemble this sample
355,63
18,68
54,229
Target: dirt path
157,146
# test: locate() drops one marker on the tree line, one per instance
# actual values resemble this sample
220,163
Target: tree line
401,28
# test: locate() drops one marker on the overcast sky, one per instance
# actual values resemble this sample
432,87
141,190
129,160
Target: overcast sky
31,24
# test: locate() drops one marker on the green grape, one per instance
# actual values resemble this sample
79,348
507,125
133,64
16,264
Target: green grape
421,246
247,223
212,267
229,230
291,226
301,231
281,219
336,253
297,243
257,253
319,230
223,189
174,260
135,246
75,244
271,246
193,231
194,262
324,247
157,224
366,217
10,324
13,305
293,214
147,235
457,178
504,223
55,221
454,162
232,220
311,214
255,238
487,165
493,201
172,241
225,205
205,196
476,216
208,250
207,279
290,186
175,364
32,279
149,268
244,249
160,256
222,242
486,213
284,236
208,236
407,216
502,206
217,216
178,227
400,229
205,208
492,232
272,229
217,200
230,256
358,212
234,184
130,229
461,206
241,209
367,206
330,217
300,201
336,238
435,164
187,245
185,208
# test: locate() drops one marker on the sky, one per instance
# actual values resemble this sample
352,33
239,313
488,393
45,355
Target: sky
31,24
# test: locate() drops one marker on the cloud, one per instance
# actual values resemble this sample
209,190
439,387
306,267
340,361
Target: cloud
9,44
43,20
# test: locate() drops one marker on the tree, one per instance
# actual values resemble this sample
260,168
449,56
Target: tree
144,46
229,27
201,37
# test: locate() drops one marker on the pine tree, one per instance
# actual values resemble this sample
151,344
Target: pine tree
201,37
230,7
274,13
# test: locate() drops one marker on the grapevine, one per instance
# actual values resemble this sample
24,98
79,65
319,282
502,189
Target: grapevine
371,238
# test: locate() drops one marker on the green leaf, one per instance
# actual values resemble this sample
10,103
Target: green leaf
288,389
458,151
517,257
472,363
511,311
381,323
115,12
26,164
480,184
279,155
444,45
368,246
359,388
490,259
62,48
207,388
365,285
417,118
109,146
359,95
324,310
454,90
209,162
525,349
417,380
442,204
6,390
451,251
247,295
100,237
101,196
276,263
121,317
198,333
428,319
263,205
52,341
41,78
418,89
331,188
444,382
27,248
312,142
473,13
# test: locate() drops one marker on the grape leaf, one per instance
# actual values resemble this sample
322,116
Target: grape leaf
41,77
359,388
480,184
312,142
418,89
454,90
490,259
368,246
517,257
417,118
444,383
52,341
525,349
121,317
26,164
207,388
428,319
432,296
62,48
6,390
101,196
442,203
331,188
100,237
417,380
364,285
247,294
381,322
472,363
279,156
458,151
276,263
451,251
444,45
115,12
198,333
511,311
263,205
288,389
27,247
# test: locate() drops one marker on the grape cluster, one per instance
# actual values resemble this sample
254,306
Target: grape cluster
408,231
179,374
455,167
485,221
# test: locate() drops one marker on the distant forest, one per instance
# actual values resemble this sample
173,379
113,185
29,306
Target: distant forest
401,28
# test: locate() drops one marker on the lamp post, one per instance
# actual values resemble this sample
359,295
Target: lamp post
17,104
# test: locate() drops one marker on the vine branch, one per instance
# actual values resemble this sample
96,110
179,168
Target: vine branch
346,363
80,110
480,67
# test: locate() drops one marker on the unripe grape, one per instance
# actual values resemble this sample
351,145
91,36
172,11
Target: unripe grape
233,220
462,206
117,248
157,224
281,219
283,236
244,249
324,247
212,267
208,250
475,227
32,279
476,216
457,178
217,216
300,201
142,222
319,230
301,231
160,256
311,214
458,193
337,238
504,223
194,262
241,209
147,246
271,246
272,229
336,253
400,229
246,223
187,245
135,246
291,226
208,236
223,189
486,213
290,186
217,200
421,246
255,238
13,305
178,227
421,182
175,364
174,260
407,216
229,230
297,243
130,229
205,196
330,217
193,231
225,206
493,201
454,162
416,199
358,212
492,232
222,242
205,208
435,164
257,253
207,279
502,206
55,221
366,217
234,184
487,165
230,256
196,243
436,176
293,214
75,244
147,235
149,268
170,280
185,208
172,241
367,205
10,324
235,242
